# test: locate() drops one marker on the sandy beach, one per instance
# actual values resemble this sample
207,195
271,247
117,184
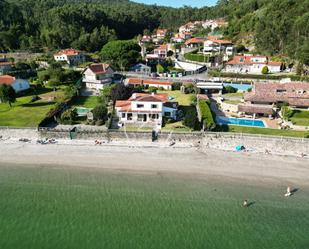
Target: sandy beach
186,160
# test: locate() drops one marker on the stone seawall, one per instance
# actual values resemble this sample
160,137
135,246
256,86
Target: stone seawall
276,145
31,133
220,141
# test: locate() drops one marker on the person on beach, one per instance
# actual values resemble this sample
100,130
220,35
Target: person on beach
245,204
288,192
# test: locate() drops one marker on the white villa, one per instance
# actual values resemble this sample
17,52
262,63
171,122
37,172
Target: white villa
18,85
217,46
70,56
251,64
146,109
95,76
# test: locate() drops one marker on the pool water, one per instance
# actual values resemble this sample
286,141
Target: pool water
241,87
81,111
240,121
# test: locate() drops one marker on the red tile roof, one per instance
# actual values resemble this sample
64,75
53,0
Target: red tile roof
296,94
99,68
247,60
146,97
69,52
195,40
7,80
258,109
125,105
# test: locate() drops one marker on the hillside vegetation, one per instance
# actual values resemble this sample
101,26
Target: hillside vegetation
272,27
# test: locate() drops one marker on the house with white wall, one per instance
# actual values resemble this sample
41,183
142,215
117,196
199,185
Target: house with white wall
146,109
218,46
18,85
251,64
70,56
96,76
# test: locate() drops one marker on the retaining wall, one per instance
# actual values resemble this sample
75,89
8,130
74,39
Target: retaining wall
221,141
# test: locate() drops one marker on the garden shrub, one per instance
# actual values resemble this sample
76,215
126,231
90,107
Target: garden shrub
206,115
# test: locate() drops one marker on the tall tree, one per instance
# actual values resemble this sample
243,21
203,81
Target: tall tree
7,94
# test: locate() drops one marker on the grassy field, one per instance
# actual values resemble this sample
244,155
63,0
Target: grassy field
26,114
181,98
267,131
85,101
300,118
232,101
71,208
184,101
237,94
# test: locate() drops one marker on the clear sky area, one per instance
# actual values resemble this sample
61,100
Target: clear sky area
179,3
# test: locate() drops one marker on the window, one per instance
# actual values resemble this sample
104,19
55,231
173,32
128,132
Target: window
167,114
140,106
129,116
154,116
154,106
281,90
123,115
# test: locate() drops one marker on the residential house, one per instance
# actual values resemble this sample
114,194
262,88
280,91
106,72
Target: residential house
218,46
161,51
149,83
96,76
18,85
195,42
5,66
251,64
146,109
159,54
70,56
141,68
181,37
213,24
188,27
146,39
295,94
256,110
161,33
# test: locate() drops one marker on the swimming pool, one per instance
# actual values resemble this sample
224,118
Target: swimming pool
240,121
82,111
241,87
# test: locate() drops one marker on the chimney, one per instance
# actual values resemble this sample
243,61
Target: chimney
152,94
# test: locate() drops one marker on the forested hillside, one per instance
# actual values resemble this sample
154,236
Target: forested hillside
83,24
276,26
272,26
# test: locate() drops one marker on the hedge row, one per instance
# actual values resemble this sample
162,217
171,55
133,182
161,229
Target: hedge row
206,115
258,76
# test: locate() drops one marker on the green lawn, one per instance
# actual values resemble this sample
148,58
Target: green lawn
267,131
181,98
237,94
184,101
46,207
177,126
232,102
300,118
85,101
26,114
